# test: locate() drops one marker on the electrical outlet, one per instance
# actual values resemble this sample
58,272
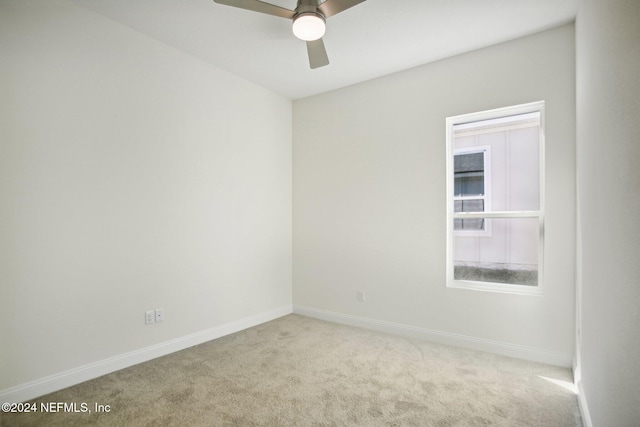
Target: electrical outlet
159,314
149,317
360,296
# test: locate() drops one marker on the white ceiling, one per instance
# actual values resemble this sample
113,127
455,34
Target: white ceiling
372,39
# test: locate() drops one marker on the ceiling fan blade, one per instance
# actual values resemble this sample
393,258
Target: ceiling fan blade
259,6
317,54
333,7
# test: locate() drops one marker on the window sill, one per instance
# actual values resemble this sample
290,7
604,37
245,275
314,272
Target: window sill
495,287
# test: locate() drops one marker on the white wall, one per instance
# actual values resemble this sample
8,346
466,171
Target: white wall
608,105
369,196
132,177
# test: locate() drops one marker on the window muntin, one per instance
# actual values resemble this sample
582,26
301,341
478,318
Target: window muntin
495,199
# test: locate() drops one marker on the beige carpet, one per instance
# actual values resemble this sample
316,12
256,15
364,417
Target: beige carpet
297,371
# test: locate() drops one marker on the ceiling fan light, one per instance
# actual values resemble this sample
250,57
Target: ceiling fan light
309,26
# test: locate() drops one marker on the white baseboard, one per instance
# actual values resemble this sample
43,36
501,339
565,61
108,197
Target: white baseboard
84,373
584,408
505,349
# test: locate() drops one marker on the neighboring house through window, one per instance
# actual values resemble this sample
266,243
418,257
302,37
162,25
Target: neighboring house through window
495,200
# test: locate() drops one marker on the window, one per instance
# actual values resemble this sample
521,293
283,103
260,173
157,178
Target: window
495,201
472,178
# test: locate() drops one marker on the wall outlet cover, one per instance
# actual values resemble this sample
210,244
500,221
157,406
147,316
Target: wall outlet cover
149,317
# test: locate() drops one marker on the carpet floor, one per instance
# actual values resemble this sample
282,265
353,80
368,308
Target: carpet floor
298,371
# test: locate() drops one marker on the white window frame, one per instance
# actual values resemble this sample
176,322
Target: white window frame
451,215
486,149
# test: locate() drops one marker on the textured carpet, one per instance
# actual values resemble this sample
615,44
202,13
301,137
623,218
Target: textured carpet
297,371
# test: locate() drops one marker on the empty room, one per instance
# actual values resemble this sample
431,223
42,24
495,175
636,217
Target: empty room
306,213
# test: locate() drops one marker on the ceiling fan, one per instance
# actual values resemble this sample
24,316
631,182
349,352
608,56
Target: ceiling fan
309,21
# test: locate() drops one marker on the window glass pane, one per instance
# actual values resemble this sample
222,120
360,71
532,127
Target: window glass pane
523,170
508,255
469,185
471,162
474,224
469,205
495,167
512,178
469,174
